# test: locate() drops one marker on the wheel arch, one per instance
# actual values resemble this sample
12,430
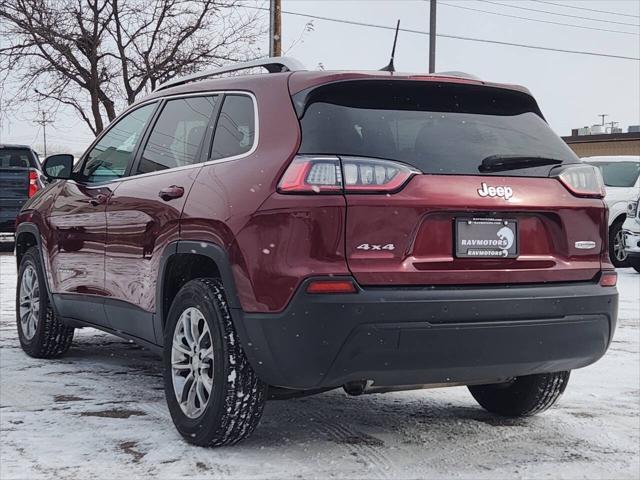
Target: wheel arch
185,260
27,236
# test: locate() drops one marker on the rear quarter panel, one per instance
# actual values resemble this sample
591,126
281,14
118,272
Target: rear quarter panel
273,241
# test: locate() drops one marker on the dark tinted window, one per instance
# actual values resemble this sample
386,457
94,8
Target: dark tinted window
110,157
438,128
17,158
619,174
235,130
177,135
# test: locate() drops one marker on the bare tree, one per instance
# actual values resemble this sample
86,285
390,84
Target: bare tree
98,55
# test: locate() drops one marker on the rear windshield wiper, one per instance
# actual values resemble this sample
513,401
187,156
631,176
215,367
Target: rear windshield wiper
496,163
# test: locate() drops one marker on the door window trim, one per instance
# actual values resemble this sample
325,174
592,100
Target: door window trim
208,139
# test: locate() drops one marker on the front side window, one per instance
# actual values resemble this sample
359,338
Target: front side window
109,159
235,130
177,135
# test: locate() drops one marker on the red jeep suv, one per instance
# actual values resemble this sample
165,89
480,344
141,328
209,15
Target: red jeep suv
288,233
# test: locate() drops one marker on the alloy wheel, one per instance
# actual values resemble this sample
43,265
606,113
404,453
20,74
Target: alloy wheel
192,362
29,302
618,246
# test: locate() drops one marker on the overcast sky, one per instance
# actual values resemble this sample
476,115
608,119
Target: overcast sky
571,89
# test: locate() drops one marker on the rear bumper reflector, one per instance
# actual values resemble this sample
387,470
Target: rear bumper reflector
609,279
331,286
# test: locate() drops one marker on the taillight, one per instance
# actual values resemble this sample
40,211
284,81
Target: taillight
329,174
581,180
34,182
308,174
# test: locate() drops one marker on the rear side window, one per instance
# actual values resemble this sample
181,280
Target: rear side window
17,158
619,174
110,157
235,130
435,127
177,135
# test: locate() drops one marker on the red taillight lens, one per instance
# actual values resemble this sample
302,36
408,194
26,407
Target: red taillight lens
609,279
331,286
34,183
308,174
317,174
582,180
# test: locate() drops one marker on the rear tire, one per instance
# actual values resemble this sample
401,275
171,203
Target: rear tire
40,332
524,396
214,396
635,263
618,256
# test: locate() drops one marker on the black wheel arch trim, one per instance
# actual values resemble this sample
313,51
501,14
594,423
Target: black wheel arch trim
220,257
32,228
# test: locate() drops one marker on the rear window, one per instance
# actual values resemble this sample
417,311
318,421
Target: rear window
619,174
17,158
438,128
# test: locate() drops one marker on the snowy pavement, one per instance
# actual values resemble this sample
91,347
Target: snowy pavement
99,412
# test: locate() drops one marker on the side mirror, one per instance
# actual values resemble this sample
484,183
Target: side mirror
58,166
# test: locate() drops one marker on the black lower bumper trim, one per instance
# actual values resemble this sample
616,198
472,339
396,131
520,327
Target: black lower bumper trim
430,335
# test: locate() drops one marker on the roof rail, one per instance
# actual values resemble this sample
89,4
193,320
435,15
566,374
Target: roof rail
452,73
271,64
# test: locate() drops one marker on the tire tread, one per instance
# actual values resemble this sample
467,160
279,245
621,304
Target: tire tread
54,338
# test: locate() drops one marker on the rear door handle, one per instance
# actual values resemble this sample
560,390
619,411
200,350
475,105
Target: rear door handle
169,193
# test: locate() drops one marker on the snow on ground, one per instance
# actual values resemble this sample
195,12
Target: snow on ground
99,412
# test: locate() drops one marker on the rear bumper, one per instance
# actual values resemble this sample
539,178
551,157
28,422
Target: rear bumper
7,226
409,336
8,216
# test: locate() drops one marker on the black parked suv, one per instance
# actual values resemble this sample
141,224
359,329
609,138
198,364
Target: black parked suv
20,179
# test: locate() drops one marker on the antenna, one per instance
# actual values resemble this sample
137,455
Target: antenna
391,67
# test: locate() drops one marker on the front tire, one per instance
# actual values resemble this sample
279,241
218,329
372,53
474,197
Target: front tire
617,254
40,332
522,397
214,396
635,263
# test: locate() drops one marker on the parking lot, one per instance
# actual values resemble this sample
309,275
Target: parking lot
99,411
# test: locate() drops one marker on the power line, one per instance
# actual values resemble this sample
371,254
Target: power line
558,14
537,20
588,9
445,35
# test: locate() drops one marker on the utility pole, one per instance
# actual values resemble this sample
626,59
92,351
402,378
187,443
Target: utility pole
603,116
612,125
432,36
43,123
275,28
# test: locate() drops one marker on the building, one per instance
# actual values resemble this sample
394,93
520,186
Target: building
591,141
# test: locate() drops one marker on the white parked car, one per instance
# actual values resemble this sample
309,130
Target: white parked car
621,176
631,232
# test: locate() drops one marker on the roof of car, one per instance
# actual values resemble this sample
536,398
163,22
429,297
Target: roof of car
14,145
303,79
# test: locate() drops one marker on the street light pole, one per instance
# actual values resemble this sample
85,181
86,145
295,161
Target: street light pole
432,36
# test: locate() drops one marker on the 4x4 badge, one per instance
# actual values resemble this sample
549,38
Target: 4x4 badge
501,191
